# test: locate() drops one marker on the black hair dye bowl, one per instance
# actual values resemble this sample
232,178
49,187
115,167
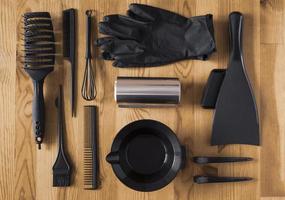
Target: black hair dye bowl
146,155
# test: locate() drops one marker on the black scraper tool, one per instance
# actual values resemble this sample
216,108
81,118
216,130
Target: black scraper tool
236,118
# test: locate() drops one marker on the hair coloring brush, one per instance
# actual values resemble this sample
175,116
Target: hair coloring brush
38,63
61,168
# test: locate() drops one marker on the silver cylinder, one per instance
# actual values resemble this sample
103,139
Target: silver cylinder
147,92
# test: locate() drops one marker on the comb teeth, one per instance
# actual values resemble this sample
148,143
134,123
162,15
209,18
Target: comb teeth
88,168
90,154
38,40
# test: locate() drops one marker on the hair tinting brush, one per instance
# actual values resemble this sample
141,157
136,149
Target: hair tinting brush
91,165
61,168
39,58
69,49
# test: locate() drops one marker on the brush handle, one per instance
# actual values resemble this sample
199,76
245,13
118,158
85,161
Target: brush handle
236,21
88,34
201,179
59,105
38,111
73,76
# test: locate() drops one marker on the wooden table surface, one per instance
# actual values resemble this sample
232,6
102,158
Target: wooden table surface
26,173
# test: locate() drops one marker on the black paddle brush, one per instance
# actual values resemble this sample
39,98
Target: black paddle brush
39,58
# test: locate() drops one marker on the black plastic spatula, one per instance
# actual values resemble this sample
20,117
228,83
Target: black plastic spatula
236,118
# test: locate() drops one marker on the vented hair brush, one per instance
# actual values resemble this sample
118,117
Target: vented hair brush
39,58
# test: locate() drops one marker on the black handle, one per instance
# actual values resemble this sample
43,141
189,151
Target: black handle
59,106
236,22
38,112
209,159
200,179
73,89
88,33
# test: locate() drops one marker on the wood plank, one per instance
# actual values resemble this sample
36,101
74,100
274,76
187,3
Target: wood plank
272,104
7,96
31,168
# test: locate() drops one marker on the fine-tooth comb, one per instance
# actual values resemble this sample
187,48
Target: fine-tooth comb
69,37
91,165
61,168
39,58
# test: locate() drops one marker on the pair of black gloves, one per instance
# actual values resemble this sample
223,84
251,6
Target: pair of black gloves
150,36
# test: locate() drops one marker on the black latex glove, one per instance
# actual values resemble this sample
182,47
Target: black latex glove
151,36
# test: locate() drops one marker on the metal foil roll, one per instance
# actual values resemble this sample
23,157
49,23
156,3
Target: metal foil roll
147,92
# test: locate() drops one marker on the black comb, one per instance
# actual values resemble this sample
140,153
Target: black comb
39,58
91,165
69,49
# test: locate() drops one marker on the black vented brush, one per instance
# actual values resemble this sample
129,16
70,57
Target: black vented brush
39,59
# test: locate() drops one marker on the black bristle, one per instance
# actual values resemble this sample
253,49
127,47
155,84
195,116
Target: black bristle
61,180
39,41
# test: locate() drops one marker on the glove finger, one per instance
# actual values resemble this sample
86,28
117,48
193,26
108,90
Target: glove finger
137,60
119,47
152,13
103,40
133,15
119,30
124,20
107,56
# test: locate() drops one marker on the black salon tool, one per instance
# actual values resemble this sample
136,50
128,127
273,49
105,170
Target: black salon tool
146,155
88,90
69,40
61,168
236,118
151,36
91,161
39,61
201,179
212,88
213,159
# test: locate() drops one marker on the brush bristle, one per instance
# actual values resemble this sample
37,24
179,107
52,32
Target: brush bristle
39,41
61,180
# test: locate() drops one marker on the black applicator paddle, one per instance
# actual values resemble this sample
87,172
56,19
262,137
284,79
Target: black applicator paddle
236,118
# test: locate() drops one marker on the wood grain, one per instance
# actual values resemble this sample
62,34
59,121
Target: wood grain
26,172
7,95
272,101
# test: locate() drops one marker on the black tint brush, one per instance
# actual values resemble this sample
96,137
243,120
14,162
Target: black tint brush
39,58
69,49
61,168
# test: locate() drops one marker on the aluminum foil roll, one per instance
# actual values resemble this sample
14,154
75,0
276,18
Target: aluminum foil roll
147,92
